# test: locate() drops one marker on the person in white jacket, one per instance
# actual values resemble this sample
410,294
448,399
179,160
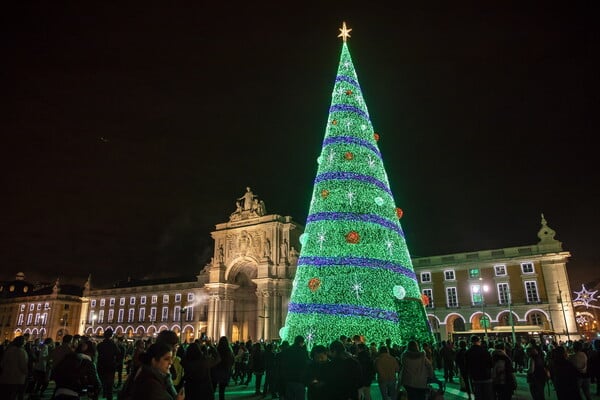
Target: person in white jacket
416,369
14,370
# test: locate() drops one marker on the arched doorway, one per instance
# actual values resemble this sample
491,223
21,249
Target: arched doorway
454,323
245,302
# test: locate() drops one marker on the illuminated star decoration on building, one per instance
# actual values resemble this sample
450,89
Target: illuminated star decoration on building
585,297
581,319
344,32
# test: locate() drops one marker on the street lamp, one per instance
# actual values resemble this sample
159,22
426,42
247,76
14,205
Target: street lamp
510,318
182,312
484,320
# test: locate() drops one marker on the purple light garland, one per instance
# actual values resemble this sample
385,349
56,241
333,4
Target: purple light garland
349,216
352,176
344,78
352,140
348,108
347,310
375,263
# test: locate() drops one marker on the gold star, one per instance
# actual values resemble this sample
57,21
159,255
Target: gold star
344,32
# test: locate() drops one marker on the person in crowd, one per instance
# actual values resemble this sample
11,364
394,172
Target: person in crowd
564,375
197,376
170,338
139,349
221,373
416,369
461,365
240,363
594,364
294,364
258,365
152,381
120,359
270,372
448,355
536,372
387,369
478,362
318,374
344,373
503,377
580,361
367,367
61,351
14,370
76,374
278,377
108,352
41,368
519,357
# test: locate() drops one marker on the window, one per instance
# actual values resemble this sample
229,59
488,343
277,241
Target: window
535,318
31,307
143,300
29,318
111,315
429,294
154,299
503,296
500,270
531,292
176,313
44,318
121,315
37,318
112,301
22,308
425,277
177,297
91,317
131,316
152,314
190,296
132,301
46,306
20,320
39,307
189,314
474,273
165,298
449,275
451,297
101,316
142,314
102,302
165,314
93,303
476,295
122,301
527,268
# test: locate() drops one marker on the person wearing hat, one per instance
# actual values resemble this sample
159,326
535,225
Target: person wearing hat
478,364
108,353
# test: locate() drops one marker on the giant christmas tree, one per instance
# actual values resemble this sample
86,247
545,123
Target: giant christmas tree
354,275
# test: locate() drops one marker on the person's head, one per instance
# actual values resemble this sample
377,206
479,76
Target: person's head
48,341
299,341
168,337
577,346
319,353
140,344
413,346
86,347
158,356
108,333
337,348
193,352
383,349
67,339
475,340
19,341
499,346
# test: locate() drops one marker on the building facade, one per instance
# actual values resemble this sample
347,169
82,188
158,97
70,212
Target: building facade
243,292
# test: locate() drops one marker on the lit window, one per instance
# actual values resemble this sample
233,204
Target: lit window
143,300
29,318
503,293
102,302
500,270
93,303
22,308
425,277
131,315
31,307
154,299
451,297
20,320
177,297
152,314
531,292
527,268
142,314
429,294
101,316
111,315
535,318
39,307
122,301
476,295
165,314
474,273
165,298
46,306
121,315
112,301
189,314
190,296
449,275
132,301
176,313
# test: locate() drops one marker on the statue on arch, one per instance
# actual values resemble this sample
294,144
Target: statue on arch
248,199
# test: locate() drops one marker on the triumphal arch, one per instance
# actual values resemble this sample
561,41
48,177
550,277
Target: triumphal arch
251,273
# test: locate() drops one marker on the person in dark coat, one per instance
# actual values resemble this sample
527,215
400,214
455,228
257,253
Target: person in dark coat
197,377
152,380
479,370
108,353
318,374
564,375
367,367
502,373
461,364
221,373
258,365
294,363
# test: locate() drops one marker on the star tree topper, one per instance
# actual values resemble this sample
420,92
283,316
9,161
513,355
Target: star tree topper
585,296
344,32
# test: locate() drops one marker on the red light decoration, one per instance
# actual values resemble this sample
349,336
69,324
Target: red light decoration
349,155
399,213
352,237
376,136
425,299
314,284
334,122
324,193
349,92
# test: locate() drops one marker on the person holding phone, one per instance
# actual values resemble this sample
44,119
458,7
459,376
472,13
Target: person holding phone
152,381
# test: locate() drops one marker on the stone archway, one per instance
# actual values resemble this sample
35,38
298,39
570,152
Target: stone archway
245,303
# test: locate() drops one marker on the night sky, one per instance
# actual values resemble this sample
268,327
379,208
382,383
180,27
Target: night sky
128,132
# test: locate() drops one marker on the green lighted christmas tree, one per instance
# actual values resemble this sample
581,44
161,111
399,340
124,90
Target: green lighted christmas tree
355,275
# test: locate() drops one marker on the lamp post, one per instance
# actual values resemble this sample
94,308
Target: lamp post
511,319
484,320
182,312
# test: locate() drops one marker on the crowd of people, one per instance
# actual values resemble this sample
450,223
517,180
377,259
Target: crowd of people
162,368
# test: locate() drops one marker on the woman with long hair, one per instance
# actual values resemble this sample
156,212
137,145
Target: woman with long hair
221,373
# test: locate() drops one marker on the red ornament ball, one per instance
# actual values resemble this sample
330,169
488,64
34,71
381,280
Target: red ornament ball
349,155
352,237
334,122
324,193
349,92
314,284
376,136
399,213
